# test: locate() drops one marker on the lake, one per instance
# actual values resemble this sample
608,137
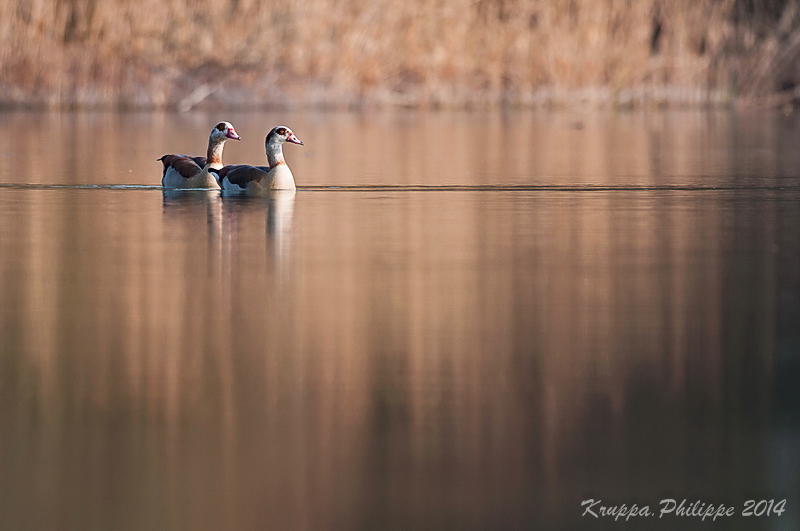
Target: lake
461,320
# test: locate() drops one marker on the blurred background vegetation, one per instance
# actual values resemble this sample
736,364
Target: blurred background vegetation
427,53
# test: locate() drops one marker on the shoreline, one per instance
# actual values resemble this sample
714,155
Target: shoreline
312,96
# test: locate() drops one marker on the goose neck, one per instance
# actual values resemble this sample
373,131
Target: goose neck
215,148
275,154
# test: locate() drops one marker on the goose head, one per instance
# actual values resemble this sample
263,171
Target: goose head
223,131
282,134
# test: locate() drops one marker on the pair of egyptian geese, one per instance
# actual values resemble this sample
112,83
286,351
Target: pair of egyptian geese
182,171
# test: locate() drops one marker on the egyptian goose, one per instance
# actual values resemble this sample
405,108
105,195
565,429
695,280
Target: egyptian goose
181,171
258,179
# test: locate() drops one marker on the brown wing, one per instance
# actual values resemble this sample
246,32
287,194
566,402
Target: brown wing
187,167
242,174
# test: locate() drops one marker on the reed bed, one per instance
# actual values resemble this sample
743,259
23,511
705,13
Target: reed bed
428,53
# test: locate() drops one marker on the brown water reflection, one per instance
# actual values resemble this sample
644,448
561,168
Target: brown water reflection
537,148
390,359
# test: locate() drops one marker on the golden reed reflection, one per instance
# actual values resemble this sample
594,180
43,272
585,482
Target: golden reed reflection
479,148
327,359
414,344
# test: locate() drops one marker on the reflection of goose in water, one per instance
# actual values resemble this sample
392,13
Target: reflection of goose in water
234,224
280,215
241,213
182,171
176,197
257,180
184,208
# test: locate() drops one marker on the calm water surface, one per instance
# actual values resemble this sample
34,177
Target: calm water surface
489,319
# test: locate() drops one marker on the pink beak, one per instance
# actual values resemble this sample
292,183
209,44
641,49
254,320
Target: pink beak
232,134
294,140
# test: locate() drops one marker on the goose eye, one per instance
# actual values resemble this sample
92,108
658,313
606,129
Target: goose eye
221,126
281,131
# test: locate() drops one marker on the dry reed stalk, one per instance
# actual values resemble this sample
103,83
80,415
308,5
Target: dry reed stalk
156,53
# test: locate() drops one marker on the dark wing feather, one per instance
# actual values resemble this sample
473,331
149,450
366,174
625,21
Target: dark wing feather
187,167
166,160
242,174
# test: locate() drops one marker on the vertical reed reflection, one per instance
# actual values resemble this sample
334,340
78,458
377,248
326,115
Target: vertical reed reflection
426,358
476,148
394,359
